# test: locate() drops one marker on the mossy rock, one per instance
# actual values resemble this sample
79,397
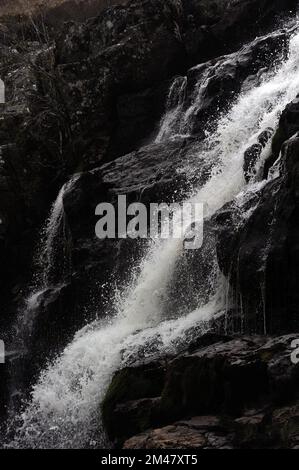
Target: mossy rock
131,384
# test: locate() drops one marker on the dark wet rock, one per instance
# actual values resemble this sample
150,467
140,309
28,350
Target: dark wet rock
146,175
3,390
53,315
250,429
251,157
261,255
132,401
169,437
12,361
257,429
158,172
265,136
209,88
138,115
225,23
207,340
285,422
195,274
135,416
147,43
223,79
21,15
230,380
21,170
288,127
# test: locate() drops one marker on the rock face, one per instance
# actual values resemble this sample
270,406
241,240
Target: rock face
145,54
255,430
221,80
252,155
54,12
236,392
261,256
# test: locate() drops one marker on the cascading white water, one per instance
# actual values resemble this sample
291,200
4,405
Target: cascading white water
55,222
65,405
178,120
47,252
174,106
45,257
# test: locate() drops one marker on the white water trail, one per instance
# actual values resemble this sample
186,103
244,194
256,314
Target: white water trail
174,107
47,251
65,406
45,260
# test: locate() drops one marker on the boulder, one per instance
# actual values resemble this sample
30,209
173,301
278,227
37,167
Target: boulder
257,429
226,24
181,436
287,128
259,253
251,156
222,79
132,401
228,380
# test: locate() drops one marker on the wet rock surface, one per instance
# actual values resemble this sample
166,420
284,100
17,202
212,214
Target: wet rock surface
240,392
260,255
255,430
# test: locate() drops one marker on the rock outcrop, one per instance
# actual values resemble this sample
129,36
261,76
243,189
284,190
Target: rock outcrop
260,253
238,392
54,13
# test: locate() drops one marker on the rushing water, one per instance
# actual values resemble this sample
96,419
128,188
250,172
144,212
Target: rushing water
65,405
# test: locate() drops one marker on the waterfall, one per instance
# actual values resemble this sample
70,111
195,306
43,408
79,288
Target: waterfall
52,240
170,124
45,261
64,410
188,95
54,223
180,114
53,237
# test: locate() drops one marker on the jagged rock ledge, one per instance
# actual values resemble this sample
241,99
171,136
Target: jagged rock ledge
224,392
